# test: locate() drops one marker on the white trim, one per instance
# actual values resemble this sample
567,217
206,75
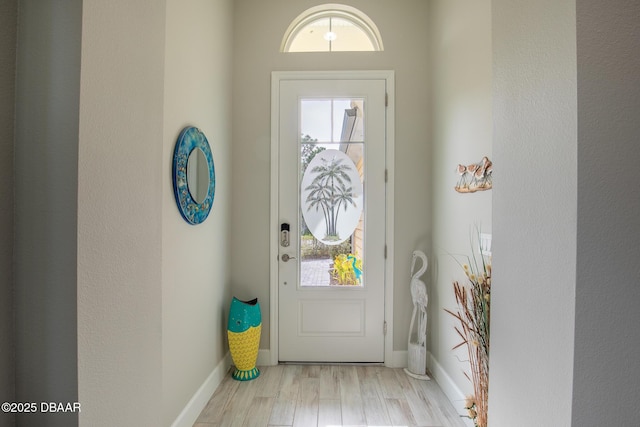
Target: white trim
276,78
390,209
273,217
194,407
450,389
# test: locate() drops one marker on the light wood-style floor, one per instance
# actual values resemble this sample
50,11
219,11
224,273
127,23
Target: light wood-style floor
329,395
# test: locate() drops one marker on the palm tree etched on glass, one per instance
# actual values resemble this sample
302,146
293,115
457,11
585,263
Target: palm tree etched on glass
331,191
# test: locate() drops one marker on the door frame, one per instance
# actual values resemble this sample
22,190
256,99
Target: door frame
276,78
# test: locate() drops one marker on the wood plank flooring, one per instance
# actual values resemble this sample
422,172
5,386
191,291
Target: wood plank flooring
329,395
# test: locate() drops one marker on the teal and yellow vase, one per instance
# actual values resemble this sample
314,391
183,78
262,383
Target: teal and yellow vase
243,331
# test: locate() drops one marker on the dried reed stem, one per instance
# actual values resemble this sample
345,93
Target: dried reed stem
473,316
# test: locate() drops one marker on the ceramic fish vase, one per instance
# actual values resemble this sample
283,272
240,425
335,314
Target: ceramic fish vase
243,331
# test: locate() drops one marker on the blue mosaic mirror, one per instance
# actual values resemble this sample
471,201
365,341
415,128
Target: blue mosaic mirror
194,177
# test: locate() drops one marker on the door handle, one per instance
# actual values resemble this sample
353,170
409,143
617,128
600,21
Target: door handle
286,257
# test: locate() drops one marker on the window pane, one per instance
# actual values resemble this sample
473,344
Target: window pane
332,119
311,37
331,214
332,27
331,192
349,37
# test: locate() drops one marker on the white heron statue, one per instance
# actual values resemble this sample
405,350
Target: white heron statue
417,350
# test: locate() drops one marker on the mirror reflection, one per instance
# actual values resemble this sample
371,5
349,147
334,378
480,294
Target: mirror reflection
198,175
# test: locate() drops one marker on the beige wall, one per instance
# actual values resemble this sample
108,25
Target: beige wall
607,270
99,231
120,185
45,162
565,107
8,21
195,270
461,56
152,290
534,213
258,32
565,289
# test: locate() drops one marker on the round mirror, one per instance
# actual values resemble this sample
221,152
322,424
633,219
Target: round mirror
194,179
198,175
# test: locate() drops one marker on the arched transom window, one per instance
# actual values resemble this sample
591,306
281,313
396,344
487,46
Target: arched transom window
332,28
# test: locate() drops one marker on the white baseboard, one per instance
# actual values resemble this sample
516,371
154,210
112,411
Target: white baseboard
192,410
449,388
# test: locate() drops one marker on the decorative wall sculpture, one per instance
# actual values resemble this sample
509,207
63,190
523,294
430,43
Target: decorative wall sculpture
475,177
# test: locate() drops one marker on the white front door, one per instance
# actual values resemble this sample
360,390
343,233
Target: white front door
331,220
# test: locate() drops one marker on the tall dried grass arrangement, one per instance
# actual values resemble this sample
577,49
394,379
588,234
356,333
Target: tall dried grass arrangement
474,315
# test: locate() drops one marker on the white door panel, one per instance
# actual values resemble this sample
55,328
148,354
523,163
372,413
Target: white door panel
331,194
